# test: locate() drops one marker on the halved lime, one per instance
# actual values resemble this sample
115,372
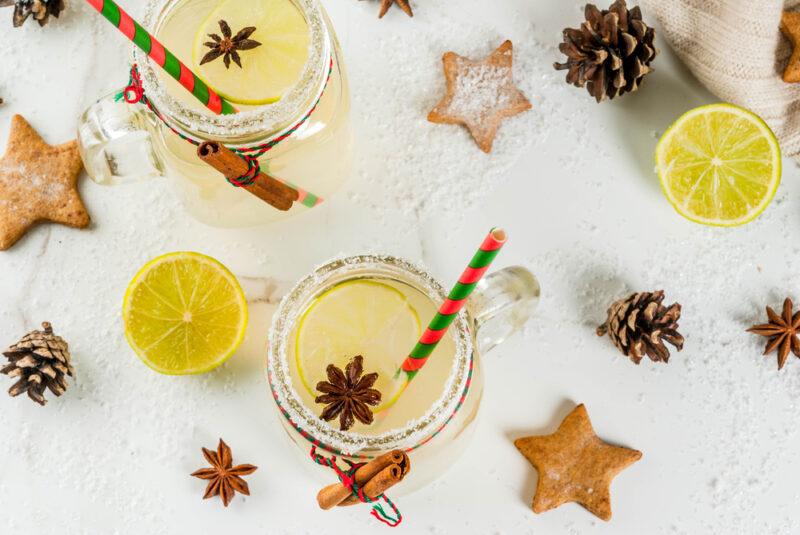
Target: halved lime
719,165
267,71
366,318
184,313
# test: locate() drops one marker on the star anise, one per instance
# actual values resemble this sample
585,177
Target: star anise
223,478
348,395
404,5
228,45
781,332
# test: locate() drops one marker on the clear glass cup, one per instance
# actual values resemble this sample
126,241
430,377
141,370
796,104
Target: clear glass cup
122,143
501,304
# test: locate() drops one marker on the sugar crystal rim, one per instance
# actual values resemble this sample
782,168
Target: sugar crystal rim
261,121
415,430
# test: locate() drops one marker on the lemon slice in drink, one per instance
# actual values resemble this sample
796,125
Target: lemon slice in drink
719,165
267,71
184,313
364,318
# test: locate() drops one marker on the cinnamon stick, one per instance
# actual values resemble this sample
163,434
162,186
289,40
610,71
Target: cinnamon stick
265,187
334,494
383,481
372,468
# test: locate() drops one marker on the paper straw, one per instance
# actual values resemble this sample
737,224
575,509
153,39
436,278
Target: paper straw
162,57
454,302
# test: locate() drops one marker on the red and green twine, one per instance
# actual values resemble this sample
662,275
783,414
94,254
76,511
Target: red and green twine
346,477
134,94
162,56
315,442
165,59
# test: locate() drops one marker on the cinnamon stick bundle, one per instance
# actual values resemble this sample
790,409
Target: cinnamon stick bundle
375,477
265,187
383,481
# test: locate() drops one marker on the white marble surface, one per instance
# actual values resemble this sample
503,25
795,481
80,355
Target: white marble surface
573,184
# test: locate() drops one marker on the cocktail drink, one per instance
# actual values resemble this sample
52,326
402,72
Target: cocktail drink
277,62
377,307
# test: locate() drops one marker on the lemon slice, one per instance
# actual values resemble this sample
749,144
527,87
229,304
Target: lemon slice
719,165
184,313
267,71
364,318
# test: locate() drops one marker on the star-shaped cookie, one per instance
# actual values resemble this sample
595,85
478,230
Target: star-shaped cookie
38,182
574,465
790,26
480,94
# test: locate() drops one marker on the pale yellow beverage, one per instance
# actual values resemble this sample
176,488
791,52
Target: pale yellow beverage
291,92
381,320
375,307
316,158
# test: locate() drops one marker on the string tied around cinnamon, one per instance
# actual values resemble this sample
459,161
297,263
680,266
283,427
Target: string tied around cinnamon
134,93
346,477
247,179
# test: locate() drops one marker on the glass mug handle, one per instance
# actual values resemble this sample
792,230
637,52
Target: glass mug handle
116,142
501,304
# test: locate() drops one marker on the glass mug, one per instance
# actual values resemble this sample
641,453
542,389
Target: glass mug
432,419
121,142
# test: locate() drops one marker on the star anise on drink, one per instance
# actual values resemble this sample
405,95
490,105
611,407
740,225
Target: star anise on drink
348,394
229,45
781,332
223,478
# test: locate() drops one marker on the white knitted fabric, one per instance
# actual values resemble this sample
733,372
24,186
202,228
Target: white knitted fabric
735,48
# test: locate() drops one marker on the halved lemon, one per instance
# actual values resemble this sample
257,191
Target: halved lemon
184,313
268,71
366,318
719,165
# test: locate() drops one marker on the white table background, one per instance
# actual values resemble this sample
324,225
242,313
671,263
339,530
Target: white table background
572,182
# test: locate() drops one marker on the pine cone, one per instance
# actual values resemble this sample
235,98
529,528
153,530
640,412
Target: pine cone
611,52
39,9
640,324
40,360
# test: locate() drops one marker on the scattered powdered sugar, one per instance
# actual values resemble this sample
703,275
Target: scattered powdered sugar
41,187
410,167
719,408
480,90
573,183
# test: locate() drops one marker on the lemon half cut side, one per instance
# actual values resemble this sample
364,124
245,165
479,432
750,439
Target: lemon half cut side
184,313
719,165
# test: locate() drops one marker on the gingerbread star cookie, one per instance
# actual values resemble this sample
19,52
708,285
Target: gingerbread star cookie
574,465
38,182
790,26
480,94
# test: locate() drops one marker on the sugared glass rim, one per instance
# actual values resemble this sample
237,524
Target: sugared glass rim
416,431
260,123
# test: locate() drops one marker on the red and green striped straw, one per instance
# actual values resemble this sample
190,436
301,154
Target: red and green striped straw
162,57
454,303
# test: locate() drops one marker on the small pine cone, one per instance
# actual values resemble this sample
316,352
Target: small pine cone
40,10
640,324
610,53
40,360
